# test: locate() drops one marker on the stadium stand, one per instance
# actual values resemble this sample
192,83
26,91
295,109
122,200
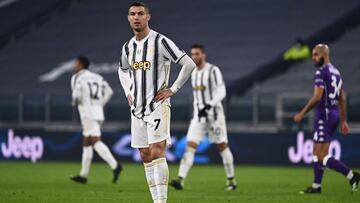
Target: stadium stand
300,77
239,36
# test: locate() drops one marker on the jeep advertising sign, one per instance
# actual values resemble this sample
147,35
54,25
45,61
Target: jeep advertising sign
256,149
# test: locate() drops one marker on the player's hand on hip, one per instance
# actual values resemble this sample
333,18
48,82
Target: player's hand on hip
344,128
163,94
203,111
130,100
299,117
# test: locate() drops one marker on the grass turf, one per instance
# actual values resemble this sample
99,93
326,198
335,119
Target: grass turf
49,182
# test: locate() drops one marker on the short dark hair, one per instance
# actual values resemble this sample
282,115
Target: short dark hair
198,46
140,4
84,61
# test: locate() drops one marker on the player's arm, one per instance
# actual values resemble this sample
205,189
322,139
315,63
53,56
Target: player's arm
176,55
76,93
315,99
187,67
124,76
344,127
107,92
219,87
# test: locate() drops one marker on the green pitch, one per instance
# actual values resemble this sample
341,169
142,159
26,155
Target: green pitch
48,182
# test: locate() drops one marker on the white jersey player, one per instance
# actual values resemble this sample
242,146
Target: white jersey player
144,74
208,92
90,93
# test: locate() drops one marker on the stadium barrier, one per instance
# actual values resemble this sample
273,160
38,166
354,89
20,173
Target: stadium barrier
254,149
252,110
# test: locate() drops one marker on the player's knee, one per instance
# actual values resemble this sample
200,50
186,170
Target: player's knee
145,155
221,147
319,157
94,140
157,152
87,141
192,144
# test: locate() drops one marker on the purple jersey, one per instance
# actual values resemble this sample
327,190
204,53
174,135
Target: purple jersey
327,110
328,77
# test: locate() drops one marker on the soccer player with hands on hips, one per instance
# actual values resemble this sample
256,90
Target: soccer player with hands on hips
144,75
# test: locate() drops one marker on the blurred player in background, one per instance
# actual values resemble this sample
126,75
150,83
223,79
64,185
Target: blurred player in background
329,101
208,91
144,75
90,93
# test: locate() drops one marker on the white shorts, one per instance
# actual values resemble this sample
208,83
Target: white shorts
152,128
216,130
91,127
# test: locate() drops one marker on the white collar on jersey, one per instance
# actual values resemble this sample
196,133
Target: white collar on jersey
144,39
206,66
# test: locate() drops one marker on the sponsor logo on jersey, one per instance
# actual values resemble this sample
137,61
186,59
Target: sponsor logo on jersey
199,88
141,65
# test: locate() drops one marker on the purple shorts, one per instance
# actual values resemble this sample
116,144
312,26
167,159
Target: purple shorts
325,126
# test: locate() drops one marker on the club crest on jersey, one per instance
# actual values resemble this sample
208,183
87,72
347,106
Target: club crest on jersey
141,65
199,88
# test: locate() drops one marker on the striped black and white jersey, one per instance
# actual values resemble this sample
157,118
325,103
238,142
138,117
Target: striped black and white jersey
90,92
148,63
208,88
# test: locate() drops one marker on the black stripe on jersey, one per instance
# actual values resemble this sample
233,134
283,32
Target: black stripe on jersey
127,48
120,63
203,91
143,77
134,74
216,81
155,72
168,49
180,58
197,92
210,84
211,92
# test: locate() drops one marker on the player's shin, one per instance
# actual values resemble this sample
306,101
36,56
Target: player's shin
228,162
318,172
186,162
105,154
338,166
149,173
161,177
87,156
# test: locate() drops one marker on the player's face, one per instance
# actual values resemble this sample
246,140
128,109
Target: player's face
77,66
198,56
138,18
317,58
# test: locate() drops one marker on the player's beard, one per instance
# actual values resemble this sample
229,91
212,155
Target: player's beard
138,29
320,62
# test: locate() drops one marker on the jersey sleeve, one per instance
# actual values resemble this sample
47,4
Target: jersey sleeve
107,92
171,51
319,79
124,69
76,91
124,62
219,86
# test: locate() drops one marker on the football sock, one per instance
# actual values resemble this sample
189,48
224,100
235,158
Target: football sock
149,173
87,156
338,166
105,154
186,162
228,162
161,177
318,172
